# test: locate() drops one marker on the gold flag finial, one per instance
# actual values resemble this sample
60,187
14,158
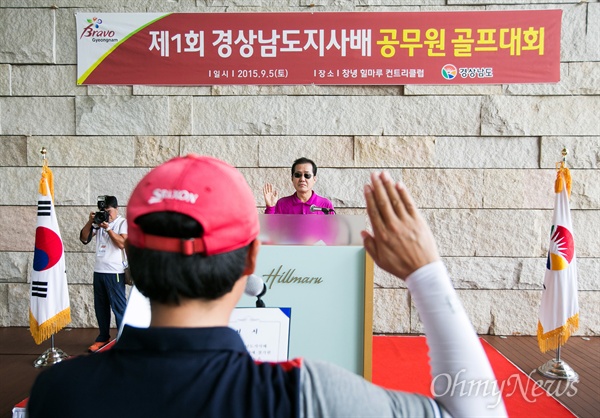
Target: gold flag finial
43,151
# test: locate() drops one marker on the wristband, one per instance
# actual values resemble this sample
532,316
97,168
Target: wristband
108,228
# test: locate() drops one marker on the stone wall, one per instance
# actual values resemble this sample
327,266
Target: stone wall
478,159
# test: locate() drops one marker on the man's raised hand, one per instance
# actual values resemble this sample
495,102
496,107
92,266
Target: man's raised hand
401,241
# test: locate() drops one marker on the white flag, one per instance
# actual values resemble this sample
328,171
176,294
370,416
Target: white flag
49,309
559,310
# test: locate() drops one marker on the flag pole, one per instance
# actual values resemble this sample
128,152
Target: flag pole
556,368
52,355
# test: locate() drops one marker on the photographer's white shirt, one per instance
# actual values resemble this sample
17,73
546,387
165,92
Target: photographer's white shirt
108,256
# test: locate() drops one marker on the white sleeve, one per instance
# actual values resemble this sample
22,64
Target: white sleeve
463,380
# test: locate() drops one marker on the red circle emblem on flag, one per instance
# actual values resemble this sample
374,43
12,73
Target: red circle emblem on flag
562,249
48,249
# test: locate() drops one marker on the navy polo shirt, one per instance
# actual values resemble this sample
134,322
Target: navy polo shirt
169,372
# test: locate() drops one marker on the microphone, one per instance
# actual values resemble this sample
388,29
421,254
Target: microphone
315,208
255,286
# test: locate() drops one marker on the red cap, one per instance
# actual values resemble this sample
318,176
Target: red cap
206,189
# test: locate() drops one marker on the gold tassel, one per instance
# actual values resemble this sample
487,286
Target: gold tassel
563,176
557,337
49,178
42,332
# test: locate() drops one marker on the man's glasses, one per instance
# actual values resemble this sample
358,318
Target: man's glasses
306,175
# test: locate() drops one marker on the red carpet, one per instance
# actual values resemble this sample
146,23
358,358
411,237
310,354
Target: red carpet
402,363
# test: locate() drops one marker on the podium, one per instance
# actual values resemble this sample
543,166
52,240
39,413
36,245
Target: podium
318,267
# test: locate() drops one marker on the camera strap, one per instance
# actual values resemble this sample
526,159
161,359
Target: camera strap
89,238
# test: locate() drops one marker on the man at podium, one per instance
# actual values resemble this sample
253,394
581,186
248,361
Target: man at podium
304,201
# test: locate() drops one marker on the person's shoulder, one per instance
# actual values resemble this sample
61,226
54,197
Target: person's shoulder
50,386
323,201
295,364
121,224
320,366
75,366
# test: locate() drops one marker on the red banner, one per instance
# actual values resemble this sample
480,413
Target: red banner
327,48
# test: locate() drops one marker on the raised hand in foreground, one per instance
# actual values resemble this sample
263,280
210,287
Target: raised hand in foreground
401,241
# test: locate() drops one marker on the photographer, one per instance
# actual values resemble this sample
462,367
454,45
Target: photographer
110,230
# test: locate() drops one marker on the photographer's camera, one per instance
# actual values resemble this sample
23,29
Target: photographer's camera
102,215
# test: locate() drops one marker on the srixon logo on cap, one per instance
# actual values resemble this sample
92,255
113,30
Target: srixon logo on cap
158,195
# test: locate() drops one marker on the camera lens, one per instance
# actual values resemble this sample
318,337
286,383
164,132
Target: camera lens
101,216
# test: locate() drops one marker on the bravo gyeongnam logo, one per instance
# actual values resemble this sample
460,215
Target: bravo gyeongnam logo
96,32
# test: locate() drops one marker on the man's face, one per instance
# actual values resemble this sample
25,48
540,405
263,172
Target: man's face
301,183
112,213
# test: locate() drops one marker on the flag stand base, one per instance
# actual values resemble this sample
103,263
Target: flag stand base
558,369
50,357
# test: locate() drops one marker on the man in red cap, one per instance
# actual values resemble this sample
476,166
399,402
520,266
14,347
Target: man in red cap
192,243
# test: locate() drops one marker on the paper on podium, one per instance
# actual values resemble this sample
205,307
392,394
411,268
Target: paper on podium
265,331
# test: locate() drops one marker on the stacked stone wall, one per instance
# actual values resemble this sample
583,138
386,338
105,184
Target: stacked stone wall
479,159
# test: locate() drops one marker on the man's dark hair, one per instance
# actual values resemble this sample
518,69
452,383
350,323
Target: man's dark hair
111,202
167,277
304,160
